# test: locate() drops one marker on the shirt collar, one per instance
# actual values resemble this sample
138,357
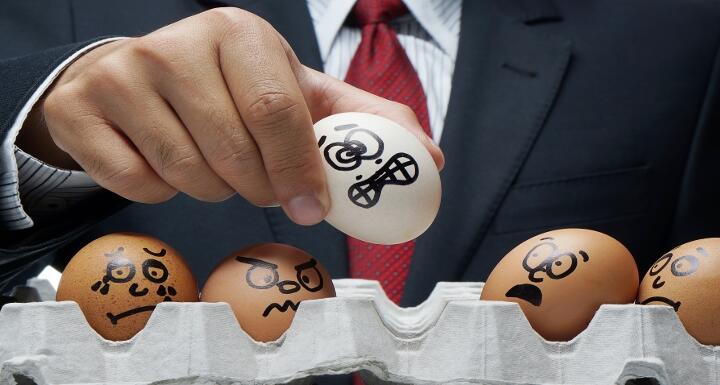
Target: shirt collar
440,18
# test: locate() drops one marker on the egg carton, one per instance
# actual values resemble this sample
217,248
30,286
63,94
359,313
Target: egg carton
452,338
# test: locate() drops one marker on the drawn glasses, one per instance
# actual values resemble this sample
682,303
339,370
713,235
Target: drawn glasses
264,275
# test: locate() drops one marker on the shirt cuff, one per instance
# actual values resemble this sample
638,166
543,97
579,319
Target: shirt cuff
39,180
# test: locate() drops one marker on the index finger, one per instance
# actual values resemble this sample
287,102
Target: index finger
271,105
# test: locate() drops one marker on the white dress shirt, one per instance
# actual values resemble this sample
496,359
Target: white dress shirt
429,34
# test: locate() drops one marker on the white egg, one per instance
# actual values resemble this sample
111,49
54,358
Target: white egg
384,185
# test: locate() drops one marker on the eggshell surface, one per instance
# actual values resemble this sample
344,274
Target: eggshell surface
264,285
687,278
560,278
384,185
118,279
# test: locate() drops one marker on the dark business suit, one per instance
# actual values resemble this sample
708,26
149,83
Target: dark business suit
598,114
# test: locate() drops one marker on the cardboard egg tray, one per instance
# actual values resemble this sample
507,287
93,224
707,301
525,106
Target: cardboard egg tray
452,338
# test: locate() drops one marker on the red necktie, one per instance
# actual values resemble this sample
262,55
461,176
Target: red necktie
380,66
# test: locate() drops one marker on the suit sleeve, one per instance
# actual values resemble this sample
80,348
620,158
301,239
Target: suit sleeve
698,210
23,242
23,179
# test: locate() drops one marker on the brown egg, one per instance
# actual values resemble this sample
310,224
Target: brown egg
264,285
118,279
687,278
560,279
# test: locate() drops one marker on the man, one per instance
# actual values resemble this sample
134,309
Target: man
549,114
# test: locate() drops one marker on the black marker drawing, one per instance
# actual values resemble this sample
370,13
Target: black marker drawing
526,291
121,270
401,169
545,258
349,154
114,318
264,275
281,308
681,267
160,253
674,304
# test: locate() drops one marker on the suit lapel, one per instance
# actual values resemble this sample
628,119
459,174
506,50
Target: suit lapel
506,78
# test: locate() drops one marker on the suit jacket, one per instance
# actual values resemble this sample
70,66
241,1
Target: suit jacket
596,114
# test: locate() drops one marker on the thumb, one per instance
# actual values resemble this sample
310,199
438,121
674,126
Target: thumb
326,96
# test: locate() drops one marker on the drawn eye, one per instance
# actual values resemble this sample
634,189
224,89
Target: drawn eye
261,277
538,256
155,271
660,264
684,265
309,276
562,265
120,271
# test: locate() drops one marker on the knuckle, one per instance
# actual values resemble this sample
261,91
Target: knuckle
108,74
159,51
236,157
179,164
227,16
269,105
55,104
111,172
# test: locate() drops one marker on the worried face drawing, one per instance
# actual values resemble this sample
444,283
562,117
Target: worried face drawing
682,266
265,285
686,279
121,270
560,278
119,279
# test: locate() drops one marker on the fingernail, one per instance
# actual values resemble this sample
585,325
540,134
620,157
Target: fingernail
305,210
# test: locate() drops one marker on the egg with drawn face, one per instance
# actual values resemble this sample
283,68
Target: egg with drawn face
118,279
265,284
384,185
687,279
560,279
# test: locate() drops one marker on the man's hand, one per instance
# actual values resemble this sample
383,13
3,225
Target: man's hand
214,104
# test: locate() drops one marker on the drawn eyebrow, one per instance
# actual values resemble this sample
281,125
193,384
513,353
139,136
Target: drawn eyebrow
256,262
550,238
161,253
306,265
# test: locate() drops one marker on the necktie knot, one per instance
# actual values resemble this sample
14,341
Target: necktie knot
378,11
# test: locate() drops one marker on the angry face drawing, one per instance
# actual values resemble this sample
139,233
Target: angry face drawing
265,284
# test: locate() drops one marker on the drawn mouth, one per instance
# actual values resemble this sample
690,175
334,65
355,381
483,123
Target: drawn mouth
401,169
675,304
114,318
526,291
281,308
